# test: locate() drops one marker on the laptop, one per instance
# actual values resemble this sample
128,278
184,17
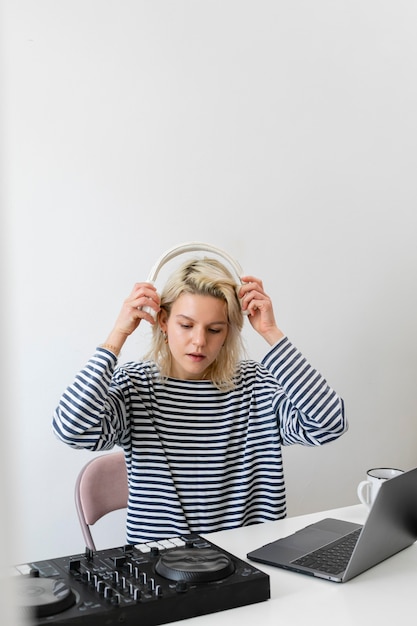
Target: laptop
390,527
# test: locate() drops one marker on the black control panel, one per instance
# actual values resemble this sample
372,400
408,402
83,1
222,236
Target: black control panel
146,584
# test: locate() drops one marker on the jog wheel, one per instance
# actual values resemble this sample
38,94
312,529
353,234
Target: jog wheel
44,596
194,565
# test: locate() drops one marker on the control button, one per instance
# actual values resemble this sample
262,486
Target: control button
143,547
167,543
177,541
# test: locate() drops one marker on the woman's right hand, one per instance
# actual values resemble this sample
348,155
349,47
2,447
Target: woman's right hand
135,309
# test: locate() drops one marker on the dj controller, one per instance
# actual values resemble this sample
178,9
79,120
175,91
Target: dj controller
147,584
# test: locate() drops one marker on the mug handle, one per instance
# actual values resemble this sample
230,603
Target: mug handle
364,492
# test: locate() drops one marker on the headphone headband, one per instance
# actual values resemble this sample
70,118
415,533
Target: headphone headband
192,246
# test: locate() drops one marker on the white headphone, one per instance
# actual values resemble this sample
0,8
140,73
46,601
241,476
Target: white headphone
192,246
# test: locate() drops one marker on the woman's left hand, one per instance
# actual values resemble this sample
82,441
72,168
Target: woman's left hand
259,308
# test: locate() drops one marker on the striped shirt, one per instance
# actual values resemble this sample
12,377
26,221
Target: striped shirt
200,459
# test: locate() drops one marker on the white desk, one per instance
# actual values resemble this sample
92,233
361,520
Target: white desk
383,595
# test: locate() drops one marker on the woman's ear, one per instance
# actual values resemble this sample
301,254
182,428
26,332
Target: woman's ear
163,320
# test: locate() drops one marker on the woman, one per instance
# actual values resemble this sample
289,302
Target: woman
201,429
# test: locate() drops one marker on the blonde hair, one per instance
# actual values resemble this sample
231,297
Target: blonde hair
206,277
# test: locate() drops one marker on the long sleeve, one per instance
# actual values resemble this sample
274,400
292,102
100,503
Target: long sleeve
310,411
91,413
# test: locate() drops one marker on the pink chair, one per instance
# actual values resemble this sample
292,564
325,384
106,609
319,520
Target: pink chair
101,487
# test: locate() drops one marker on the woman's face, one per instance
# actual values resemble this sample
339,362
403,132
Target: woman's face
196,329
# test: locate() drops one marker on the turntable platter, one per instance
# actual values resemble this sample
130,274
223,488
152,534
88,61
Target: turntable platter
194,565
44,596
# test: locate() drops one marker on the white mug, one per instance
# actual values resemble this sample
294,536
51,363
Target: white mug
367,489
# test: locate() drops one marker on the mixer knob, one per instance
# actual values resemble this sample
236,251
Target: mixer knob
181,586
143,578
95,581
74,565
136,594
119,561
158,591
89,554
34,573
115,599
151,584
154,551
108,593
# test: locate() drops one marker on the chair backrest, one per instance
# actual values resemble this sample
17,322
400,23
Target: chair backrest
101,487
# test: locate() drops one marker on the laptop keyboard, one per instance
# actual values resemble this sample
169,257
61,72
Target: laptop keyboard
332,558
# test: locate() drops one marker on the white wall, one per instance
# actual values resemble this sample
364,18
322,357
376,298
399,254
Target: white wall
282,131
